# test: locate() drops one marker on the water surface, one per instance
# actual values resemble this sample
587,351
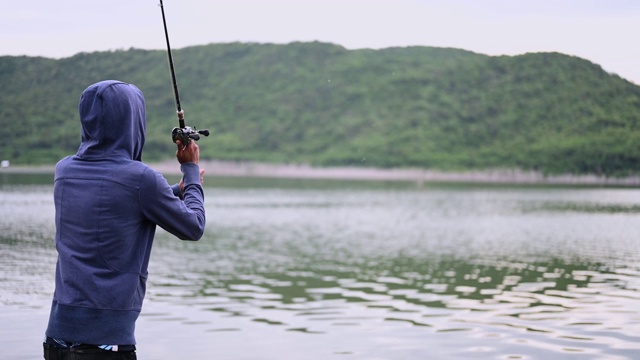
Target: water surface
317,270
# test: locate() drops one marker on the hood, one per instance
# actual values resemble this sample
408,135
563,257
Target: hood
113,118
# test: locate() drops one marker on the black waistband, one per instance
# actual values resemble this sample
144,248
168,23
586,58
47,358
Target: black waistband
69,345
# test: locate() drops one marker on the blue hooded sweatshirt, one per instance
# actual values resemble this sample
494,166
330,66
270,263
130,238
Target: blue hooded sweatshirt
108,204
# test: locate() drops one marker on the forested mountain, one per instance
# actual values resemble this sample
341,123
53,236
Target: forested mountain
319,103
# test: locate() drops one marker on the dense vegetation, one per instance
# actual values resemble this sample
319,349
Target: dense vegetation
319,103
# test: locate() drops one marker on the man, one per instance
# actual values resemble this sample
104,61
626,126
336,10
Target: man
108,204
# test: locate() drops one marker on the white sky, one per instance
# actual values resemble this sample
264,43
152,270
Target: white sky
602,31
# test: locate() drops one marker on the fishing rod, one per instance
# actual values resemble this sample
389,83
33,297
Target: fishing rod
183,133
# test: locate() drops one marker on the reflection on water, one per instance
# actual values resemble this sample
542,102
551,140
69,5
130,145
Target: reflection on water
371,271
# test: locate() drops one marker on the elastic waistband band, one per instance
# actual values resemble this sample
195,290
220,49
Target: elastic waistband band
61,344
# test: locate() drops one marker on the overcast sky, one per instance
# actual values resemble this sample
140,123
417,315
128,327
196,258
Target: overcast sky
602,31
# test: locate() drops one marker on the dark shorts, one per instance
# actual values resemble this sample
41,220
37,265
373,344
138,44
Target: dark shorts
85,352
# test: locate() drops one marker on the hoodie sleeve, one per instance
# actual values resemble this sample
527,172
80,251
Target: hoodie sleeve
182,218
175,188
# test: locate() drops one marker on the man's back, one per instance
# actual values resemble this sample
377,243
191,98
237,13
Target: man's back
108,204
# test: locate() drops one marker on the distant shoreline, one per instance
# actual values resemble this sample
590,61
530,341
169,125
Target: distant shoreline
265,170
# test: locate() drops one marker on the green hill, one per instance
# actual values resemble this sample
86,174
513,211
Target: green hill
319,103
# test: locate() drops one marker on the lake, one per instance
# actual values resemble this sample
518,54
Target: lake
316,269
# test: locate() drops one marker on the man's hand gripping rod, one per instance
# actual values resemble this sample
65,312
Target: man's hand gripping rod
183,133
